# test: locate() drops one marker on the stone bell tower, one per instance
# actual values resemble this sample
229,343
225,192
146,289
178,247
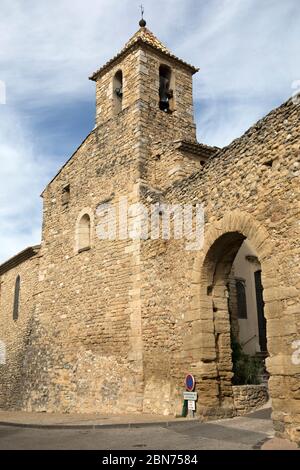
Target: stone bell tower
147,76
147,92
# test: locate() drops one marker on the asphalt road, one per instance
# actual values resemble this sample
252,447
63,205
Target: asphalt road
238,433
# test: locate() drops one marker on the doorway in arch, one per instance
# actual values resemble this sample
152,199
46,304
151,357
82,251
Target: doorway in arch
231,300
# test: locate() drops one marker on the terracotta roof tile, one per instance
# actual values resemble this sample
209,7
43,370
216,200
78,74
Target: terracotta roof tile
143,35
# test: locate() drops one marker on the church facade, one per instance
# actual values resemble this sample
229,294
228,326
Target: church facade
112,324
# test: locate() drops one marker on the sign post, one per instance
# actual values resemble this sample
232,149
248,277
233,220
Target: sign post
190,395
192,407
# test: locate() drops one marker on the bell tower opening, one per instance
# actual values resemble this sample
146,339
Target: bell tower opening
166,91
118,92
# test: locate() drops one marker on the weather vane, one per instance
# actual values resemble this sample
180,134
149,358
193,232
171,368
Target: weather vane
142,22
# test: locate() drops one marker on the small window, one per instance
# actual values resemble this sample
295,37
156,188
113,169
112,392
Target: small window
118,92
166,93
66,195
17,299
84,233
241,298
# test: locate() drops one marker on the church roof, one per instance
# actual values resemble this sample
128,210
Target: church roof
146,36
196,148
19,258
142,37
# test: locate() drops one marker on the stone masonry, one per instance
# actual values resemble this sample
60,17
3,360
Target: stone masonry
248,398
114,325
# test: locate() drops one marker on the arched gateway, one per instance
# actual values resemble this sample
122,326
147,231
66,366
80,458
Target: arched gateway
210,351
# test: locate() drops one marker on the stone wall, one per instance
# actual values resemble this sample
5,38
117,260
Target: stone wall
248,398
87,313
249,190
85,350
16,334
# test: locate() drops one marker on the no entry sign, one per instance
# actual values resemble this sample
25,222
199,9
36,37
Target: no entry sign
189,382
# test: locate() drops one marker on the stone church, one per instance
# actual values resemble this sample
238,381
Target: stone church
113,325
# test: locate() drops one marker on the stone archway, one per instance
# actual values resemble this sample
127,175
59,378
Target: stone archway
208,320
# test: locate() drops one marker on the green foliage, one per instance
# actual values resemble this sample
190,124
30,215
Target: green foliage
247,369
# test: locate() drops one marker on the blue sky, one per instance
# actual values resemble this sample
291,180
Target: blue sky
247,50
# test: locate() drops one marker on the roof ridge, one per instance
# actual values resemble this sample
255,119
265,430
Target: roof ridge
19,258
145,36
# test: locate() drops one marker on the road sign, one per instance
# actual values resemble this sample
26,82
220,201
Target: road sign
190,396
191,405
189,382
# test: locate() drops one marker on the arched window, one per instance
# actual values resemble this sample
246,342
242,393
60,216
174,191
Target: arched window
118,92
17,299
166,92
84,233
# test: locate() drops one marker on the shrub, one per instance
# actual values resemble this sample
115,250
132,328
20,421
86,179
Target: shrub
247,369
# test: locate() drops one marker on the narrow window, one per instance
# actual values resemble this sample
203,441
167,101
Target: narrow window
66,195
241,298
118,92
17,299
166,94
84,233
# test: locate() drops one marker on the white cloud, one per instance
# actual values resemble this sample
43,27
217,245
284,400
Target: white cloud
22,177
239,45
247,51
242,47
